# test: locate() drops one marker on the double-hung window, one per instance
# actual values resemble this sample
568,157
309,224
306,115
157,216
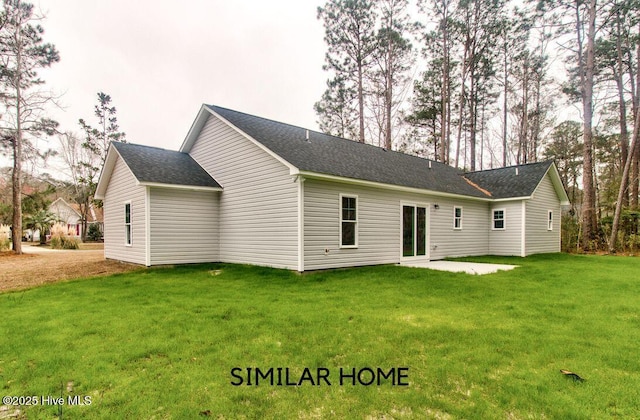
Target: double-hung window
498,219
550,220
348,221
457,218
127,224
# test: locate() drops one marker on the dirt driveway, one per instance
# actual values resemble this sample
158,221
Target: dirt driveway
39,265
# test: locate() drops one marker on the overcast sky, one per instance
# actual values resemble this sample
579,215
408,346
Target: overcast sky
160,60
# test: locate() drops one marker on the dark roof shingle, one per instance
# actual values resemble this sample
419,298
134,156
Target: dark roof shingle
155,165
331,155
512,181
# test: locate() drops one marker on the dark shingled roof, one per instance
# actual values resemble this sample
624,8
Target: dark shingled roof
331,155
155,165
512,181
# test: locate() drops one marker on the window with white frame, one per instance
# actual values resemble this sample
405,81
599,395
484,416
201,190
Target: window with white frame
127,223
498,219
348,221
550,220
457,218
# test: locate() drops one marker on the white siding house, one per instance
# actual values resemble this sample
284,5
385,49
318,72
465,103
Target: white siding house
542,227
125,242
244,189
259,206
184,226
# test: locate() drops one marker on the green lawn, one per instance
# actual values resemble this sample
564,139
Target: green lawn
162,343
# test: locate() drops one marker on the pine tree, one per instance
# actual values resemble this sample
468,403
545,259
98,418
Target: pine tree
96,145
22,54
350,37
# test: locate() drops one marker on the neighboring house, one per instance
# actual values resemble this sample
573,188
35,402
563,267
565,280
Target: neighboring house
245,189
70,215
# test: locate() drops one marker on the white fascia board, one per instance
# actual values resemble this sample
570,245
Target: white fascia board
373,184
194,130
199,123
107,171
502,200
557,185
178,187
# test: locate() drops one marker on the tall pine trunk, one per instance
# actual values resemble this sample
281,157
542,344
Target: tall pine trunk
589,222
635,156
623,187
504,105
360,104
16,232
622,105
445,91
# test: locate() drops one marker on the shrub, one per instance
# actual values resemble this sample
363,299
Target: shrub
5,237
94,233
63,237
570,233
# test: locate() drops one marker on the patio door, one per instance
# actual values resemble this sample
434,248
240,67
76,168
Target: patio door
414,230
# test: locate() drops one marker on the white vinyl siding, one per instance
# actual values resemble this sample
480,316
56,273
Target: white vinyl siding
539,239
379,230
507,241
472,239
259,205
123,189
184,226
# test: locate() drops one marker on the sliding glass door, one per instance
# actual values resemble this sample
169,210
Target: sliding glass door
414,230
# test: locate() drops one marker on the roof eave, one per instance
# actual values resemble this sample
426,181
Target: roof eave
195,129
500,200
179,186
362,182
107,171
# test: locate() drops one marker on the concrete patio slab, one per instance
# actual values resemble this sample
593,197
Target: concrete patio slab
461,267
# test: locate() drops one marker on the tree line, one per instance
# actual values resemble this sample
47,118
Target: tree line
479,84
24,121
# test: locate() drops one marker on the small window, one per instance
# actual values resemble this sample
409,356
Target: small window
498,219
127,223
550,220
348,221
457,218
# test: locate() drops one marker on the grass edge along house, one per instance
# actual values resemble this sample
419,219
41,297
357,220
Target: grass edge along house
244,189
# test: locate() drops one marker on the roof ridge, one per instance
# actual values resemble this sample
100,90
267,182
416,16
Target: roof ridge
116,143
324,134
511,166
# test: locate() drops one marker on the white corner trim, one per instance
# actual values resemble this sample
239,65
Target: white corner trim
300,224
147,226
523,227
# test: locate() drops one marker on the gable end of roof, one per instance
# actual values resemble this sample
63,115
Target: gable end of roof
153,166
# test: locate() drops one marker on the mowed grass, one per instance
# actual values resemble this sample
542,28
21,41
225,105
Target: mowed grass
162,343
